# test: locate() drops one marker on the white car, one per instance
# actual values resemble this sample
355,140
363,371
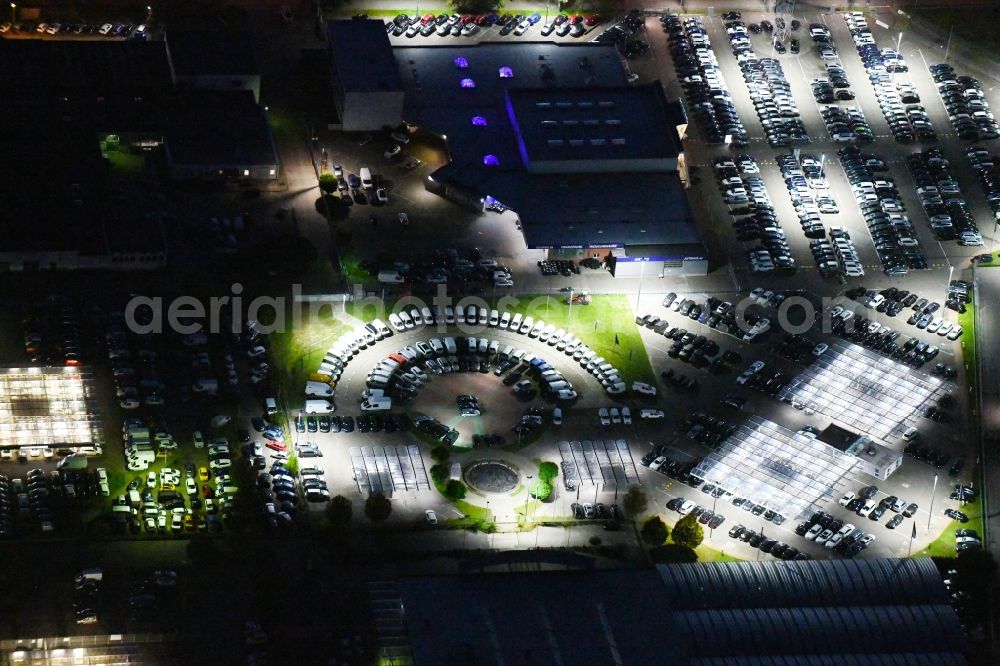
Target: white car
657,463
602,413
756,367
557,416
404,219
616,416
686,507
643,388
626,416
651,414
431,516
820,349
847,498
813,532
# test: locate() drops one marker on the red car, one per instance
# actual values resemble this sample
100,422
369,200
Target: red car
398,358
592,19
576,18
482,19
207,491
426,18
276,446
466,18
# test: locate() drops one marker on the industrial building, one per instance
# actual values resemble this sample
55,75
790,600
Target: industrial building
863,611
592,165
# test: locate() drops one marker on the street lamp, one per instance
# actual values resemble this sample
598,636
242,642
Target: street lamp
13,12
526,496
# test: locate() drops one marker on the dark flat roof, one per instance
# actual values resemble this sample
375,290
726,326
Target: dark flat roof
219,128
591,123
594,210
211,52
537,618
610,208
55,189
881,611
363,55
33,69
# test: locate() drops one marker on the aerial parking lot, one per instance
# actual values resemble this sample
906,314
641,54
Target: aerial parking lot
439,390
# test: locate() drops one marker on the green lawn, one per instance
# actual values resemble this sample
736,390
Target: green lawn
944,545
298,350
706,554
607,319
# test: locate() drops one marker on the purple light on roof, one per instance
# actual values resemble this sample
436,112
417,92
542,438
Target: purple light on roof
461,62
479,121
491,160
468,83
506,73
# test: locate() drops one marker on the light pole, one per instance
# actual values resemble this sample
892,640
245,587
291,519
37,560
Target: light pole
947,48
642,273
931,512
13,12
526,496
899,40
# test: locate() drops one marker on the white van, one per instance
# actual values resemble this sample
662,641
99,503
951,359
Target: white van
436,346
449,344
515,324
392,277
319,407
505,320
526,325
376,404
271,405
319,389
366,178
382,329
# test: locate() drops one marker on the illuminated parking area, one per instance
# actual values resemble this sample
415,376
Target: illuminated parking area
863,391
46,407
784,471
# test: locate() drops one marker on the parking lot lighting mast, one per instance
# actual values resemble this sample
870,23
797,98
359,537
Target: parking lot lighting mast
931,512
526,496
13,12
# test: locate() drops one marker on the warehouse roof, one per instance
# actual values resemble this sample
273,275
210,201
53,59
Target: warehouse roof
219,128
211,52
34,69
362,55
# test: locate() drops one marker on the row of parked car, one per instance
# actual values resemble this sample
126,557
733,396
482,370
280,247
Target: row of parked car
987,168
909,122
838,255
966,104
743,190
878,198
942,199
833,533
847,124
833,87
467,25
122,30
809,191
717,314
708,96
770,91
881,338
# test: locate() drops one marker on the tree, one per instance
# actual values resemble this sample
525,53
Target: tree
440,453
454,489
634,501
439,474
688,532
328,182
339,511
293,465
654,531
377,507
548,471
475,6
541,490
